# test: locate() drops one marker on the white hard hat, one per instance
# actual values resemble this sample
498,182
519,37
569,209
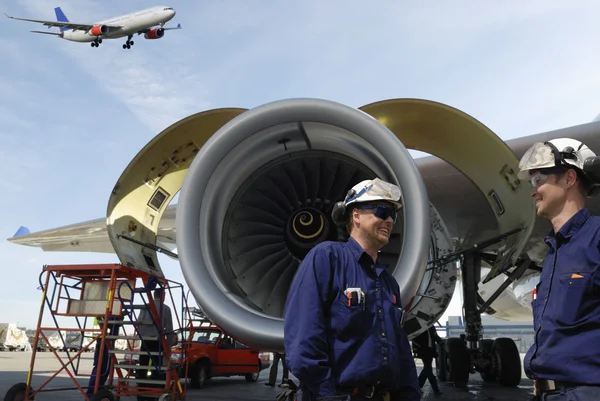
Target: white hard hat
560,152
372,190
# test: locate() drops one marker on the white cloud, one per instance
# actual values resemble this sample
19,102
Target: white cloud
142,78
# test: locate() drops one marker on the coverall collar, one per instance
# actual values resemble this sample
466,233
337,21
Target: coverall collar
570,227
362,257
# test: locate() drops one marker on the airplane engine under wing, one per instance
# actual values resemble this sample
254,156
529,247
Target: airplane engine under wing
98,30
257,188
155,33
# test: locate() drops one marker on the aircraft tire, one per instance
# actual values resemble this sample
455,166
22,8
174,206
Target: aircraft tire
487,349
508,362
440,361
458,361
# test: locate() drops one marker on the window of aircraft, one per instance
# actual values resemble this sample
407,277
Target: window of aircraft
168,8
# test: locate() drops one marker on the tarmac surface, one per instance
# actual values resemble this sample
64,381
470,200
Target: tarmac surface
14,367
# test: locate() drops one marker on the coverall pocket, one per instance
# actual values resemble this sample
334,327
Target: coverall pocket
576,279
349,320
575,287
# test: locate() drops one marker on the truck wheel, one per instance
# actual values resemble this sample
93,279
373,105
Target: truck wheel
17,392
198,375
458,361
509,362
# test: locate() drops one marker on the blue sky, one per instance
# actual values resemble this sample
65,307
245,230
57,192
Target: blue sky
72,116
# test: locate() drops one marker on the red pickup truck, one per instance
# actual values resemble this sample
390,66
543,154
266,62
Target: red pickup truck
213,353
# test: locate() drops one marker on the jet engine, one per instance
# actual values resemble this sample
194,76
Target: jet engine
98,30
257,189
155,33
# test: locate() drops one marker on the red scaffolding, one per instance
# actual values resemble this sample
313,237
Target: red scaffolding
107,293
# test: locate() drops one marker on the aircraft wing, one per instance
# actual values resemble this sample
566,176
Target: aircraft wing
146,30
89,236
71,25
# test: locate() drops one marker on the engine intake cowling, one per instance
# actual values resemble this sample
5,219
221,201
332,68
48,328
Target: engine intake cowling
259,194
99,30
155,33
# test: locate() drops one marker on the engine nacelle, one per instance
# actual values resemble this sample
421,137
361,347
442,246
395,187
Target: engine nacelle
98,30
155,33
248,177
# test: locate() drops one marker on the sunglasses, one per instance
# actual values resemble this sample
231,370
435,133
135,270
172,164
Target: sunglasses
383,212
538,179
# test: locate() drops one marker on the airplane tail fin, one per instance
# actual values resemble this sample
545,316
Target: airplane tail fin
61,17
21,231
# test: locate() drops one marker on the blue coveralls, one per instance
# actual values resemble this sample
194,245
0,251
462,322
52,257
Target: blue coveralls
332,347
566,311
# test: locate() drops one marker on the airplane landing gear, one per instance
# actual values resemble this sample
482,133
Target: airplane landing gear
129,43
96,43
496,360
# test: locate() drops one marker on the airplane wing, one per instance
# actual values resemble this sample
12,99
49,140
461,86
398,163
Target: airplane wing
89,236
72,25
146,30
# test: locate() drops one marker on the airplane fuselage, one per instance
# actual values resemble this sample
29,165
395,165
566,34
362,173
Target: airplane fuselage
131,24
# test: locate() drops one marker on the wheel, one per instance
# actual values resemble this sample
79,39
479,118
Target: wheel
252,377
489,375
124,46
131,42
103,395
198,375
458,361
99,40
508,362
129,46
93,44
17,392
440,361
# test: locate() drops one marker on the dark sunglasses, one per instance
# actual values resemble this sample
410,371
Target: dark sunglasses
383,212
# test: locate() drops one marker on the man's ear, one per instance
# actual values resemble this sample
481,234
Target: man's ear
571,177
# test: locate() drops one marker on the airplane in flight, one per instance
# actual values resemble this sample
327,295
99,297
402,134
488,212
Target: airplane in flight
139,22
256,188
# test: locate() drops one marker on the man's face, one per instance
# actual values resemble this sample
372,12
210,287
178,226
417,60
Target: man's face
374,228
549,193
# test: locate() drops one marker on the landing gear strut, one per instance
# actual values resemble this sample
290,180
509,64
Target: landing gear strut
96,42
129,42
496,360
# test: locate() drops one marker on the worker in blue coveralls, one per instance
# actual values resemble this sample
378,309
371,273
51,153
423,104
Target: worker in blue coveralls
343,331
564,360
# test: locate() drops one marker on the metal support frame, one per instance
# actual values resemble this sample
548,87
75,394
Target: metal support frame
470,266
65,295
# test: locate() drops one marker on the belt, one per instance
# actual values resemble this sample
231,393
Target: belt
551,385
363,391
